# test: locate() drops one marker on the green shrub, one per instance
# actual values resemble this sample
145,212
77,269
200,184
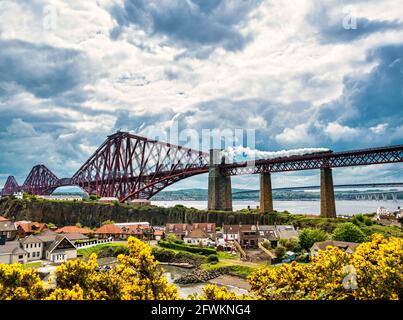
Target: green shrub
179,241
185,247
360,219
349,232
163,255
309,236
266,244
212,258
280,252
121,250
291,244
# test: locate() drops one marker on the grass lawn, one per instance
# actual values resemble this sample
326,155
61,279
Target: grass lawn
32,265
95,249
227,256
239,268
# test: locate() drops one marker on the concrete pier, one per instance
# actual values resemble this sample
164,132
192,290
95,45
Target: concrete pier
327,202
266,194
219,186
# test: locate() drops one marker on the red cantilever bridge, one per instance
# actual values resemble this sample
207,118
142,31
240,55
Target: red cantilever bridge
128,166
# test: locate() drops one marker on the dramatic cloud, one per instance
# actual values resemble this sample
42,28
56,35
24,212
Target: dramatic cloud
42,70
73,72
342,21
188,23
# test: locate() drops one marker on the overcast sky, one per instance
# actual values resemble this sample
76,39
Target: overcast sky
302,73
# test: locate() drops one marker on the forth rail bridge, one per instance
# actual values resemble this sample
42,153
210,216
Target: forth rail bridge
128,166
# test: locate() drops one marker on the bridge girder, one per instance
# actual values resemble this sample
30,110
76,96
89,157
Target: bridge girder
128,166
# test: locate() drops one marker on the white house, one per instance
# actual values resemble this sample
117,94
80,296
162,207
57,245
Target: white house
198,236
231,232
61,250
18,195
11,252
51,246
34,247
381,212
63,197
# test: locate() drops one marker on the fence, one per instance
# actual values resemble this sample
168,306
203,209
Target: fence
91,243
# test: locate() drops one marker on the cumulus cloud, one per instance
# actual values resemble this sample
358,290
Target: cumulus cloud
296,135
338,132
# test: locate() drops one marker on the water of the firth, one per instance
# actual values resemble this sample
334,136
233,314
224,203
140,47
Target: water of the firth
343,207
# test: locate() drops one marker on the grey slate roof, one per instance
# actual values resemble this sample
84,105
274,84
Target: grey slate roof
286,231
11,247
339,244
7,226
31,239
58,240
76,236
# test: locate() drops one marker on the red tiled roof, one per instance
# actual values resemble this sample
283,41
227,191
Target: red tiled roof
109,229
3,219
158,232
135,229
206,227
73,229
30,226
177,227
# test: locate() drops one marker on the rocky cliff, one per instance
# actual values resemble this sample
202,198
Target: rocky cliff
92,214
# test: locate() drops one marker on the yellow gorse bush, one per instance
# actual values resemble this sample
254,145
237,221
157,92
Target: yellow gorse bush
136,276
374,271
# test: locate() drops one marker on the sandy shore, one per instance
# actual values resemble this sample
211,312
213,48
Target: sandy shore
234,281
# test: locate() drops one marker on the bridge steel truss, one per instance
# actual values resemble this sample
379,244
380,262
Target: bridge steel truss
11,186
383,155
128,166
40,181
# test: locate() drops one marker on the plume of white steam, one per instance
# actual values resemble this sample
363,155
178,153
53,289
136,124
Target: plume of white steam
246,152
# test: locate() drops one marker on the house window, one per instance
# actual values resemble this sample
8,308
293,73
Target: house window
20,256
29,255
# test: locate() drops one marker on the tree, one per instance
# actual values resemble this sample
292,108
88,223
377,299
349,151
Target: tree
78,225
266,244
280,252
291,244
108,222
172,237
348,232
309,236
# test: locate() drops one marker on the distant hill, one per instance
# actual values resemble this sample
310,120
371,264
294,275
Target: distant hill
245,194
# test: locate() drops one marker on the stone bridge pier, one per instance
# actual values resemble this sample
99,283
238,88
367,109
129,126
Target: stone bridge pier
266,194
219,185
327,202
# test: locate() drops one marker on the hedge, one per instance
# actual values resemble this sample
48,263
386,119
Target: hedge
166,255
184,247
